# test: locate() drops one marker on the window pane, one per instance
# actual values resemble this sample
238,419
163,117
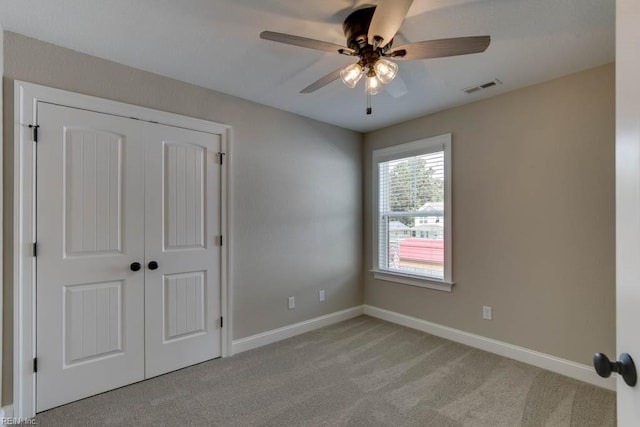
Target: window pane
411,215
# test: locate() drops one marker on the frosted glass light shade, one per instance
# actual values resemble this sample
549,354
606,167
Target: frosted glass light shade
351,74
385,70
374,85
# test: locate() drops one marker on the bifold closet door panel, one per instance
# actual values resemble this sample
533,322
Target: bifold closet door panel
182,253
90,231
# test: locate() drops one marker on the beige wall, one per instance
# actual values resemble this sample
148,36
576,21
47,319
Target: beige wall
533,217
297,188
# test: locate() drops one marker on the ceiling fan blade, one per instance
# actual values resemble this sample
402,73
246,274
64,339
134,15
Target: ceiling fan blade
441,48
387,20
334,75
305,42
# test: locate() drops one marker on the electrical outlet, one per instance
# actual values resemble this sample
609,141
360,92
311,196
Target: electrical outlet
292,303
321,295
487,312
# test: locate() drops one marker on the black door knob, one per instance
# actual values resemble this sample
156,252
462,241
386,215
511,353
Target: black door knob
624,367
153,265
135,266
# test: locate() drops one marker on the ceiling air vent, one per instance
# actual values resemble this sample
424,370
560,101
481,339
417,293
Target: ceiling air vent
482,86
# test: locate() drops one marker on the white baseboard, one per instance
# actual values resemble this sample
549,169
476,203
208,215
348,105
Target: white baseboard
264,338
551,363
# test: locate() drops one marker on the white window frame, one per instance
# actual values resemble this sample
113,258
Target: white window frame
409,149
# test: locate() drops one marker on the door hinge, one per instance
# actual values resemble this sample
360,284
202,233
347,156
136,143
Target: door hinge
221,321
35,249
34,128
35,364
221,154
219,240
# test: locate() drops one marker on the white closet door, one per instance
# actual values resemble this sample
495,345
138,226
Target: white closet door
90,229
182,296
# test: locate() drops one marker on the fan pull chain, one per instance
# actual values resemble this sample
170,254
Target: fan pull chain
368,104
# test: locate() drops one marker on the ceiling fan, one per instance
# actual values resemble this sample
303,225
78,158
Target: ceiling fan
370,32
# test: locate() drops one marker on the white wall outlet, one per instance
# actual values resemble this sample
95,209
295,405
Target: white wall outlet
321,295
487,313
292,303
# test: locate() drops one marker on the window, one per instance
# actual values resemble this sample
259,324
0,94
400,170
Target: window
412,202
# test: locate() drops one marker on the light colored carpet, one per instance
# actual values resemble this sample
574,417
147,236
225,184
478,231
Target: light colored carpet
362,372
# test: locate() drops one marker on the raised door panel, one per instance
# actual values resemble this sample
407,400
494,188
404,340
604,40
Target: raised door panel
184,196
184,305
93,319
93,191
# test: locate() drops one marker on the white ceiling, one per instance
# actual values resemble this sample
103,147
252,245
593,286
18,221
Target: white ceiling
215,44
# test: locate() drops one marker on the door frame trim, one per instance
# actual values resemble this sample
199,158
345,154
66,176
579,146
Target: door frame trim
26,98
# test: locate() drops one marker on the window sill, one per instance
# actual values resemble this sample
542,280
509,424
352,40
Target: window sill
411,280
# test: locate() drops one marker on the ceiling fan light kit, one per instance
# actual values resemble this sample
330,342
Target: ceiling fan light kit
369,32
351,74
385,70
374,85
379,71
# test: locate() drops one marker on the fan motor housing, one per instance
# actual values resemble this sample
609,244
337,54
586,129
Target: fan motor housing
356,29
